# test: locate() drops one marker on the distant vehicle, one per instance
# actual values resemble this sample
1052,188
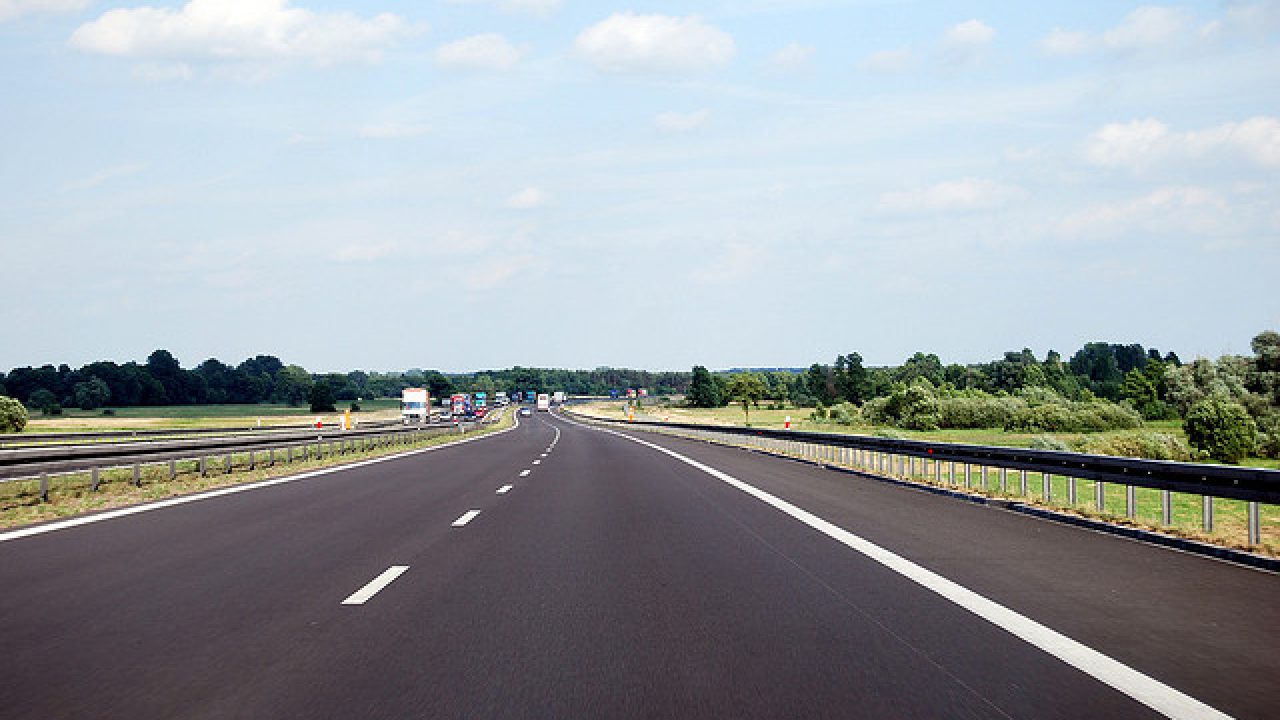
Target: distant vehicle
526,412
481,411
458,403
481,400
544,402
558,397
530,395
415,405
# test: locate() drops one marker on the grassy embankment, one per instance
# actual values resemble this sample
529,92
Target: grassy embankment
201,416
71,495
1230,520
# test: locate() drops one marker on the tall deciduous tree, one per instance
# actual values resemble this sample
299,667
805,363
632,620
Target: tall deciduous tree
747,388
703,390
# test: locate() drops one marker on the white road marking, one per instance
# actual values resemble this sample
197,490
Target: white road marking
360,596
1146,690
525,473
505,489
170,502
537,462
544,455
467,517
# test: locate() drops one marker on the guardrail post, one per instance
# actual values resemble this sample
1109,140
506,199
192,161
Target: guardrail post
1004,481
951,473
1206,510
173,469
984,477
1100,495
137,475
1071,491
1166,507
95,479
271,457
253,455
227,464
937,472
1023,484
1130,501
44,487
288,455
968,475
1255,523
204,466
1046,481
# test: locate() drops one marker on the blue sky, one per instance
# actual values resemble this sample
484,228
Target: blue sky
484,183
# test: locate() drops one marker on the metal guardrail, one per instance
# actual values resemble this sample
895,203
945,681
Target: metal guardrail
920,459
34,438
46,463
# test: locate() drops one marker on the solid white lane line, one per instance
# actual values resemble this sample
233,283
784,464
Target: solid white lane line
525,473
467,517
505,489
1146,690
183,500
363,594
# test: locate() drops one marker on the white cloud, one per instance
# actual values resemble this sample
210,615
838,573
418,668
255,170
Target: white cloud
969,34
394,131
164,72
1065,42
1142,143
14,9
887,61
1148,27
527,199
487,51
104,176
626,42
682,122
1168,209
239,31
792,57
365,252
540,8
952,196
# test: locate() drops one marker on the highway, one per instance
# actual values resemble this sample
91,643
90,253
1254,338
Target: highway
564,571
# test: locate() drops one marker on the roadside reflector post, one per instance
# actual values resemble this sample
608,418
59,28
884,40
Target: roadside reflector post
787,424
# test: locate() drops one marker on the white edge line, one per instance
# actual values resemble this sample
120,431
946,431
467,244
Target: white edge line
467,517
524,473
505,489
135,509
1145,689
360,596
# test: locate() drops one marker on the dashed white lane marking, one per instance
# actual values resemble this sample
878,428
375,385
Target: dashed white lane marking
537,462
467,517
1154,694
544,454
525,473
505,489
360,596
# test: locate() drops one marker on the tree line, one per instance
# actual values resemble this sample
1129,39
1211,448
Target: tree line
162,381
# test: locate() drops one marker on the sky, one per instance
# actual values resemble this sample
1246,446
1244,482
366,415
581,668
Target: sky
471,184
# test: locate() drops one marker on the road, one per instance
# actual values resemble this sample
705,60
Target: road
559,571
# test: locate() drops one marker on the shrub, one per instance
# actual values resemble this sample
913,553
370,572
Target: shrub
109,412
1221,428
1094,416
1150,445
355,406
13,416
890,433
1048,442
977,412
1269,435
844,413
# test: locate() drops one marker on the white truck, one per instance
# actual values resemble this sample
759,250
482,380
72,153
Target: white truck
415,405
558,397
544,402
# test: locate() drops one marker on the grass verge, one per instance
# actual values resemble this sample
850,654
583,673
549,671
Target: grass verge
72,494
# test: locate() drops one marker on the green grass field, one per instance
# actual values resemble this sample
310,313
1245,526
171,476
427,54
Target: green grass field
197,416
1230,523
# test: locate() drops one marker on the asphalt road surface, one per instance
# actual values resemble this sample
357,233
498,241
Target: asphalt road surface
560,571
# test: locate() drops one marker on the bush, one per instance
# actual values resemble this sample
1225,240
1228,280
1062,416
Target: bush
13,416
109,412
355,406
1269,435
1048,442
845,413
1150,445
1095,416
1221,428
977,412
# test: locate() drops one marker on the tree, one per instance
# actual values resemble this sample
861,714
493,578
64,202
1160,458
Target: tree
703,390
292,385
91,394
747,388
820,384
45,402
321,397
1221,428
851,378
13,416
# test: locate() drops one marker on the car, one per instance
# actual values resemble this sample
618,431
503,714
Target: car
526,412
